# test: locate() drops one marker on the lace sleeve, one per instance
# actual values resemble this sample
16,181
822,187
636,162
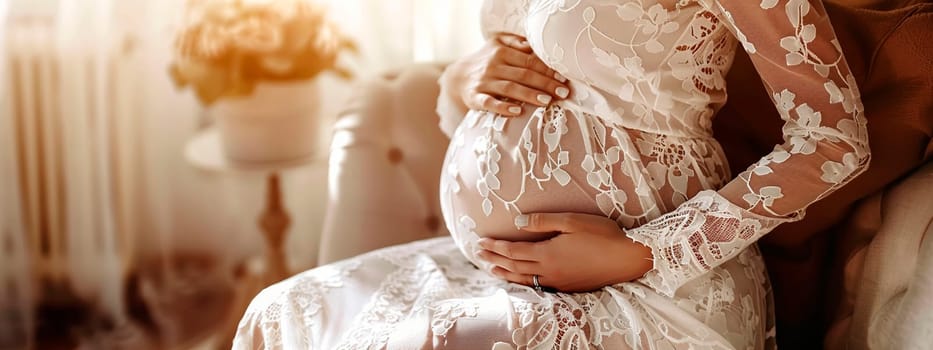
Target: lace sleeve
794,49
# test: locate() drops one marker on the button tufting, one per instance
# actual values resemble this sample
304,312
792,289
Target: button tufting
433,223
395,155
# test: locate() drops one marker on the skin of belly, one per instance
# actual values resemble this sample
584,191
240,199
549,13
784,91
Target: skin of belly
517,177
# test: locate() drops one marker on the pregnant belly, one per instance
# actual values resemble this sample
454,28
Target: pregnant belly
548,160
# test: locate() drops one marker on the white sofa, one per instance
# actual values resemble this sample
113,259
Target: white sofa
385,163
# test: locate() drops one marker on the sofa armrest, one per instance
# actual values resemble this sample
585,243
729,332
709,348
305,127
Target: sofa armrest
385,163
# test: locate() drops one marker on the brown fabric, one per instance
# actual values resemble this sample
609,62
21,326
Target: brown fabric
890,54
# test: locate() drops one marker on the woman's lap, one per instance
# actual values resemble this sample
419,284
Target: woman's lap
427,294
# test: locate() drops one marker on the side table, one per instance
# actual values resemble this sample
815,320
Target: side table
205,152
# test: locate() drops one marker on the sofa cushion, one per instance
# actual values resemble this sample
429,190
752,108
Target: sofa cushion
886,301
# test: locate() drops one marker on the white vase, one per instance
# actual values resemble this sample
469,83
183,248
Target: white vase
277,123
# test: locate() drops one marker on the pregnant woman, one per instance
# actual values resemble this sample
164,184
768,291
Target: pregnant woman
590,206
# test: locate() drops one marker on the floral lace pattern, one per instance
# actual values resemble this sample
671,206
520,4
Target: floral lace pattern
634,143
302,300
824,129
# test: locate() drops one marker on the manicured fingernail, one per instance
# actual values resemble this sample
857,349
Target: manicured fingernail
560,78
521,221
545,99
515,110
562,92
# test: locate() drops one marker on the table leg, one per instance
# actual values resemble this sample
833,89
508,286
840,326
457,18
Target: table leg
274,223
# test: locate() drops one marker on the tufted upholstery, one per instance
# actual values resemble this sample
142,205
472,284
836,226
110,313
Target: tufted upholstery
385,164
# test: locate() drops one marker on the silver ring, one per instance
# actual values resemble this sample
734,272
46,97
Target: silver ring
534,279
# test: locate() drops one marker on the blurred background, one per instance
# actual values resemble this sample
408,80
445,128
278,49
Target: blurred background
111,234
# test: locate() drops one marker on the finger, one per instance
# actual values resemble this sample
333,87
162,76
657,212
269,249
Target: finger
482,101
515,91
568,223
526,251
516,58
514,277
532,79
515,42
517,266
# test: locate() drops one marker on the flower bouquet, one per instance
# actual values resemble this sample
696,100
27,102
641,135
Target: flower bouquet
254,64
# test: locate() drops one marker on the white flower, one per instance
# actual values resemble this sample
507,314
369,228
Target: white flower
835,173
630,11
683,65
805,133
852,99
562,177
768,4
769,194
779,155
766,195
555,58
835,94
555,128
607,59
784,101
807,117
634,67
760,169
794,49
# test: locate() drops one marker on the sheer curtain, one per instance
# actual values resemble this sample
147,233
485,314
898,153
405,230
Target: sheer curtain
16,315
397,32
98,203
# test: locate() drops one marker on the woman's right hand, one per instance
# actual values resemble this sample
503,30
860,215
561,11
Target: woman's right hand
501,76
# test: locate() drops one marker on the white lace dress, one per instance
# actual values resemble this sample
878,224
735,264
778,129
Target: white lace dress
632,143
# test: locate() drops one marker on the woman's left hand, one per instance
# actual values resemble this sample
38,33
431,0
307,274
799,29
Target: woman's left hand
590,252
